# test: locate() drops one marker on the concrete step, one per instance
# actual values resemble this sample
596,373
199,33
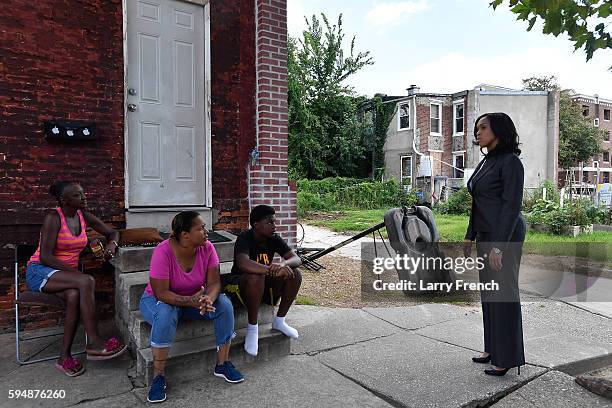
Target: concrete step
161,217
191,359
135,259
130,287
140,330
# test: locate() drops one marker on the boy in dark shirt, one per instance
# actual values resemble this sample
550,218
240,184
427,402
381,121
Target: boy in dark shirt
256,278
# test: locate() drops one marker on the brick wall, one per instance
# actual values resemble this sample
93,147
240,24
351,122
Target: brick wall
268,182
233,127
447,134
57,61
595,111
61,61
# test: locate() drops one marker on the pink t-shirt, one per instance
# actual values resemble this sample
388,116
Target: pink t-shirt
165,266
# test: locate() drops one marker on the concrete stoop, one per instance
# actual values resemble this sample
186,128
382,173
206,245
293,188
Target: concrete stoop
192,358
193,351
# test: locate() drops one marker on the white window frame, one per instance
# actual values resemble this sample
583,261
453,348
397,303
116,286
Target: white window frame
402,169
455,104
596,122
604,115
455,155
439,103
399,110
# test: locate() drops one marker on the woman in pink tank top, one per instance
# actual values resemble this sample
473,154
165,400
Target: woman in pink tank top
54,269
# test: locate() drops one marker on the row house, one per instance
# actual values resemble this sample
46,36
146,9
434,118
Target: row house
597,170
430,139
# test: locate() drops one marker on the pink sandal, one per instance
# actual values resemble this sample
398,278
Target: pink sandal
112,348
71,367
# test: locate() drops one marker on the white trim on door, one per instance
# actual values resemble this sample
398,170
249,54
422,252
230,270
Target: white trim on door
207,102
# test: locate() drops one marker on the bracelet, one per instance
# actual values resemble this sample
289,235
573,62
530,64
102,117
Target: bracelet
113,242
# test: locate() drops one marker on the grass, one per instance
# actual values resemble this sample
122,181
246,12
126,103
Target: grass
452,229
305,300
346,221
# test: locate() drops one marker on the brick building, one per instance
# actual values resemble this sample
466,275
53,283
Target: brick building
189,103
430,137
598,169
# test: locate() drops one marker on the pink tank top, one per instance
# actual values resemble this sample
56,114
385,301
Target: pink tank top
67,246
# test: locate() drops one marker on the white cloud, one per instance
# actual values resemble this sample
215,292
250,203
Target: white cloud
388,14
456,71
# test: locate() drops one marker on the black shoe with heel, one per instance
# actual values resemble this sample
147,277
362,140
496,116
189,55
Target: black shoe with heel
500,373
482,359
496,372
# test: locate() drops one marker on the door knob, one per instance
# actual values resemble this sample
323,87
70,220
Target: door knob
132,107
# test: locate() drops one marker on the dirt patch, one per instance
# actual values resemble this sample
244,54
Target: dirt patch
322,216
339,285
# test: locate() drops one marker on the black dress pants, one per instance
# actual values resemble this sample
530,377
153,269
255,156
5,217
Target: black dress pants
501,310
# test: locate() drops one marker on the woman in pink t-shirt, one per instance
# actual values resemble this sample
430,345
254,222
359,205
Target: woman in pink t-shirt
184,282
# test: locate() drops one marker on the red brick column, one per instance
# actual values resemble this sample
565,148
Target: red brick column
268,180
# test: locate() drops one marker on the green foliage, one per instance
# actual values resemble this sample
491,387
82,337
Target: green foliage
340,193
545,83
576,18
579,140
458,203
531,197
383,113
325,137
579,212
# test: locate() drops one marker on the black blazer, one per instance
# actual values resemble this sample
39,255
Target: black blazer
497,195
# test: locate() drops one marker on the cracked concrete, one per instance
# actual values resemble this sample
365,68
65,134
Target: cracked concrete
400,357
553,389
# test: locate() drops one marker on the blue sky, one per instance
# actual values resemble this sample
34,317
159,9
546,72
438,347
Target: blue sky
453,45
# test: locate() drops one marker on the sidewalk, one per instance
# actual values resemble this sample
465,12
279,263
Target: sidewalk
416,356
408,356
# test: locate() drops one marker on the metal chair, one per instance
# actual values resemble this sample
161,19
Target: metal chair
23,252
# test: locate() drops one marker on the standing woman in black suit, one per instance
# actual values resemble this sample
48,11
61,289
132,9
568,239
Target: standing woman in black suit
497,226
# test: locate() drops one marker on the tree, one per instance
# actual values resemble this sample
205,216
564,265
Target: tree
573,17
325,137
579,140
545,83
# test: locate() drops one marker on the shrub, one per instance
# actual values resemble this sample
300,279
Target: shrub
556,219
341,193
530,198
459,203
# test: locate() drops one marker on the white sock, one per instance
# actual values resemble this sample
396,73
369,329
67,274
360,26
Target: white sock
280,325
251,340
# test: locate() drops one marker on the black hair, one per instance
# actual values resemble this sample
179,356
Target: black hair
505,131
57,188
182,222
260,212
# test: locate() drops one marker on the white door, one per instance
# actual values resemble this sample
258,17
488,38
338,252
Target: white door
166,146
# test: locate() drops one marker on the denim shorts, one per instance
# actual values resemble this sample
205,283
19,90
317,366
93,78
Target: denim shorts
37,276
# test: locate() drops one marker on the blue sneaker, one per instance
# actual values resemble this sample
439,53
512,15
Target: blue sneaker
229,372
157,393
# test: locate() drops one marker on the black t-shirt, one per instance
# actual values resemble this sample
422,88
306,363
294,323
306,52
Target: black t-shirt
262,253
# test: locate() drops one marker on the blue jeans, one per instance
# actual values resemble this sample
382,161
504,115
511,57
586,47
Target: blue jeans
164,319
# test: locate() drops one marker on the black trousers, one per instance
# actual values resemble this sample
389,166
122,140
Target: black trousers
501,310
